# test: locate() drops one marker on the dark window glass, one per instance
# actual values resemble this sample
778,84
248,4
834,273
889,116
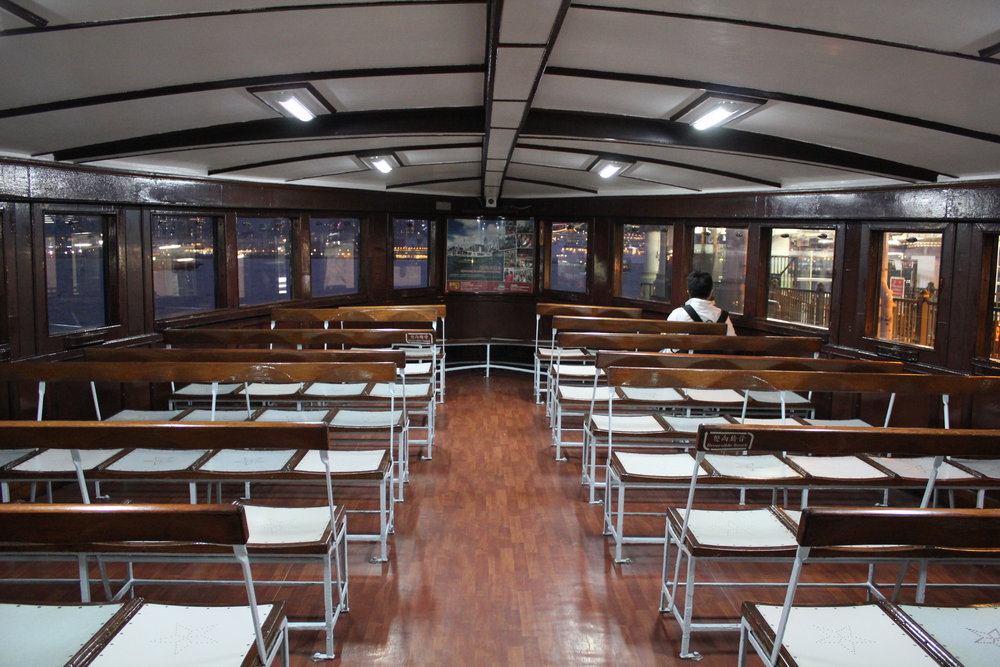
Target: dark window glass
647,254
410,253
722,252
335,256
995,320
183,264
907,292
264,259
75,272
569,256
801,276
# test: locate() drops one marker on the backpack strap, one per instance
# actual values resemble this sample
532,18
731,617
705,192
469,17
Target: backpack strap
695,317
723,316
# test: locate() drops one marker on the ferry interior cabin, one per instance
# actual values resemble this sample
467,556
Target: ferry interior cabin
352,316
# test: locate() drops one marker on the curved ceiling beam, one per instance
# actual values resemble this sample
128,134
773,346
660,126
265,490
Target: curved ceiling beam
456,120
606,127
777,97
244,82
550,184
323,156
627,157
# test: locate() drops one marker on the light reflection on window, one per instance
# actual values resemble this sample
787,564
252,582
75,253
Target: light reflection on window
646,255
410,253
334,255
568,261
183,264
722,252
801,276
264,259
907,290
74,272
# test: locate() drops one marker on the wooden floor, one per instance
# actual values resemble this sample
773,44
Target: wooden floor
497,559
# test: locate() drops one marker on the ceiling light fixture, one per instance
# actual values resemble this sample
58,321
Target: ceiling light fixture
383,163
300,100
607,168
710,111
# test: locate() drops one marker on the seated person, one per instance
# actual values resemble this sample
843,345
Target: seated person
700,307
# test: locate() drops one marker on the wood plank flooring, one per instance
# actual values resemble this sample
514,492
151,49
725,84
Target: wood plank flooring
497,559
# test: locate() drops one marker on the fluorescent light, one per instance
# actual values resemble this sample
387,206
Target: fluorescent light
292,105
382,165
609,170
713,110
606,168
716,116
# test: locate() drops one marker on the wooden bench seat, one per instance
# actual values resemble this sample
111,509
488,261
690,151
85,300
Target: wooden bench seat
136,632
699,533
879,632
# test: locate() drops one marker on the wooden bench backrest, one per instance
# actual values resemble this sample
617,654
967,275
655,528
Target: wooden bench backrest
293,337
846,440
196,371
950,528
397,357
766,345
552,309
77,524
766,380
623,325
428,314
606,358
162,435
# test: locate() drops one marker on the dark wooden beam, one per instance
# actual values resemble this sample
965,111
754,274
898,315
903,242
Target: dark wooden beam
574,125
458,120
550,184
23,14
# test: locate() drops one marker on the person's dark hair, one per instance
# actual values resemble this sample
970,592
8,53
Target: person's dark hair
700,284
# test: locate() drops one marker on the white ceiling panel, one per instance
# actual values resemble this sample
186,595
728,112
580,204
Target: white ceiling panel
527,21
414,91
516,71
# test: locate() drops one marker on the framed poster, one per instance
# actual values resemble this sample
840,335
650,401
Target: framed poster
493,255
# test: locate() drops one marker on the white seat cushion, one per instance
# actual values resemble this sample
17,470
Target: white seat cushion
10,455
203,389
286,525
342,462
859,635
388,389
271,388
575,371
767,421
628,423
144,416
836,422
985,467
292,416
714,395
691,424
248,460
335,389
157,460
755,466
201,415
578,393
969,633
366,418
920,468
739,528
791,398
658,465
653,394
49,634
171,635
60,460
837,467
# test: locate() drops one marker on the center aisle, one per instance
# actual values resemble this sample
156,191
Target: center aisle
497,560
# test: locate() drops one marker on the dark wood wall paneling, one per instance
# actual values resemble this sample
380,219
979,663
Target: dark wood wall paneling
969,214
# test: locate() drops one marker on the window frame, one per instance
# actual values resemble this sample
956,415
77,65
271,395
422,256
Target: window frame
618,260
114,278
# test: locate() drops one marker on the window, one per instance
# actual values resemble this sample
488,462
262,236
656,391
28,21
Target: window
994,333
410,253
183,264
75,279
722,252
646,256
264,259
801,276
907,295
568,261
335,255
